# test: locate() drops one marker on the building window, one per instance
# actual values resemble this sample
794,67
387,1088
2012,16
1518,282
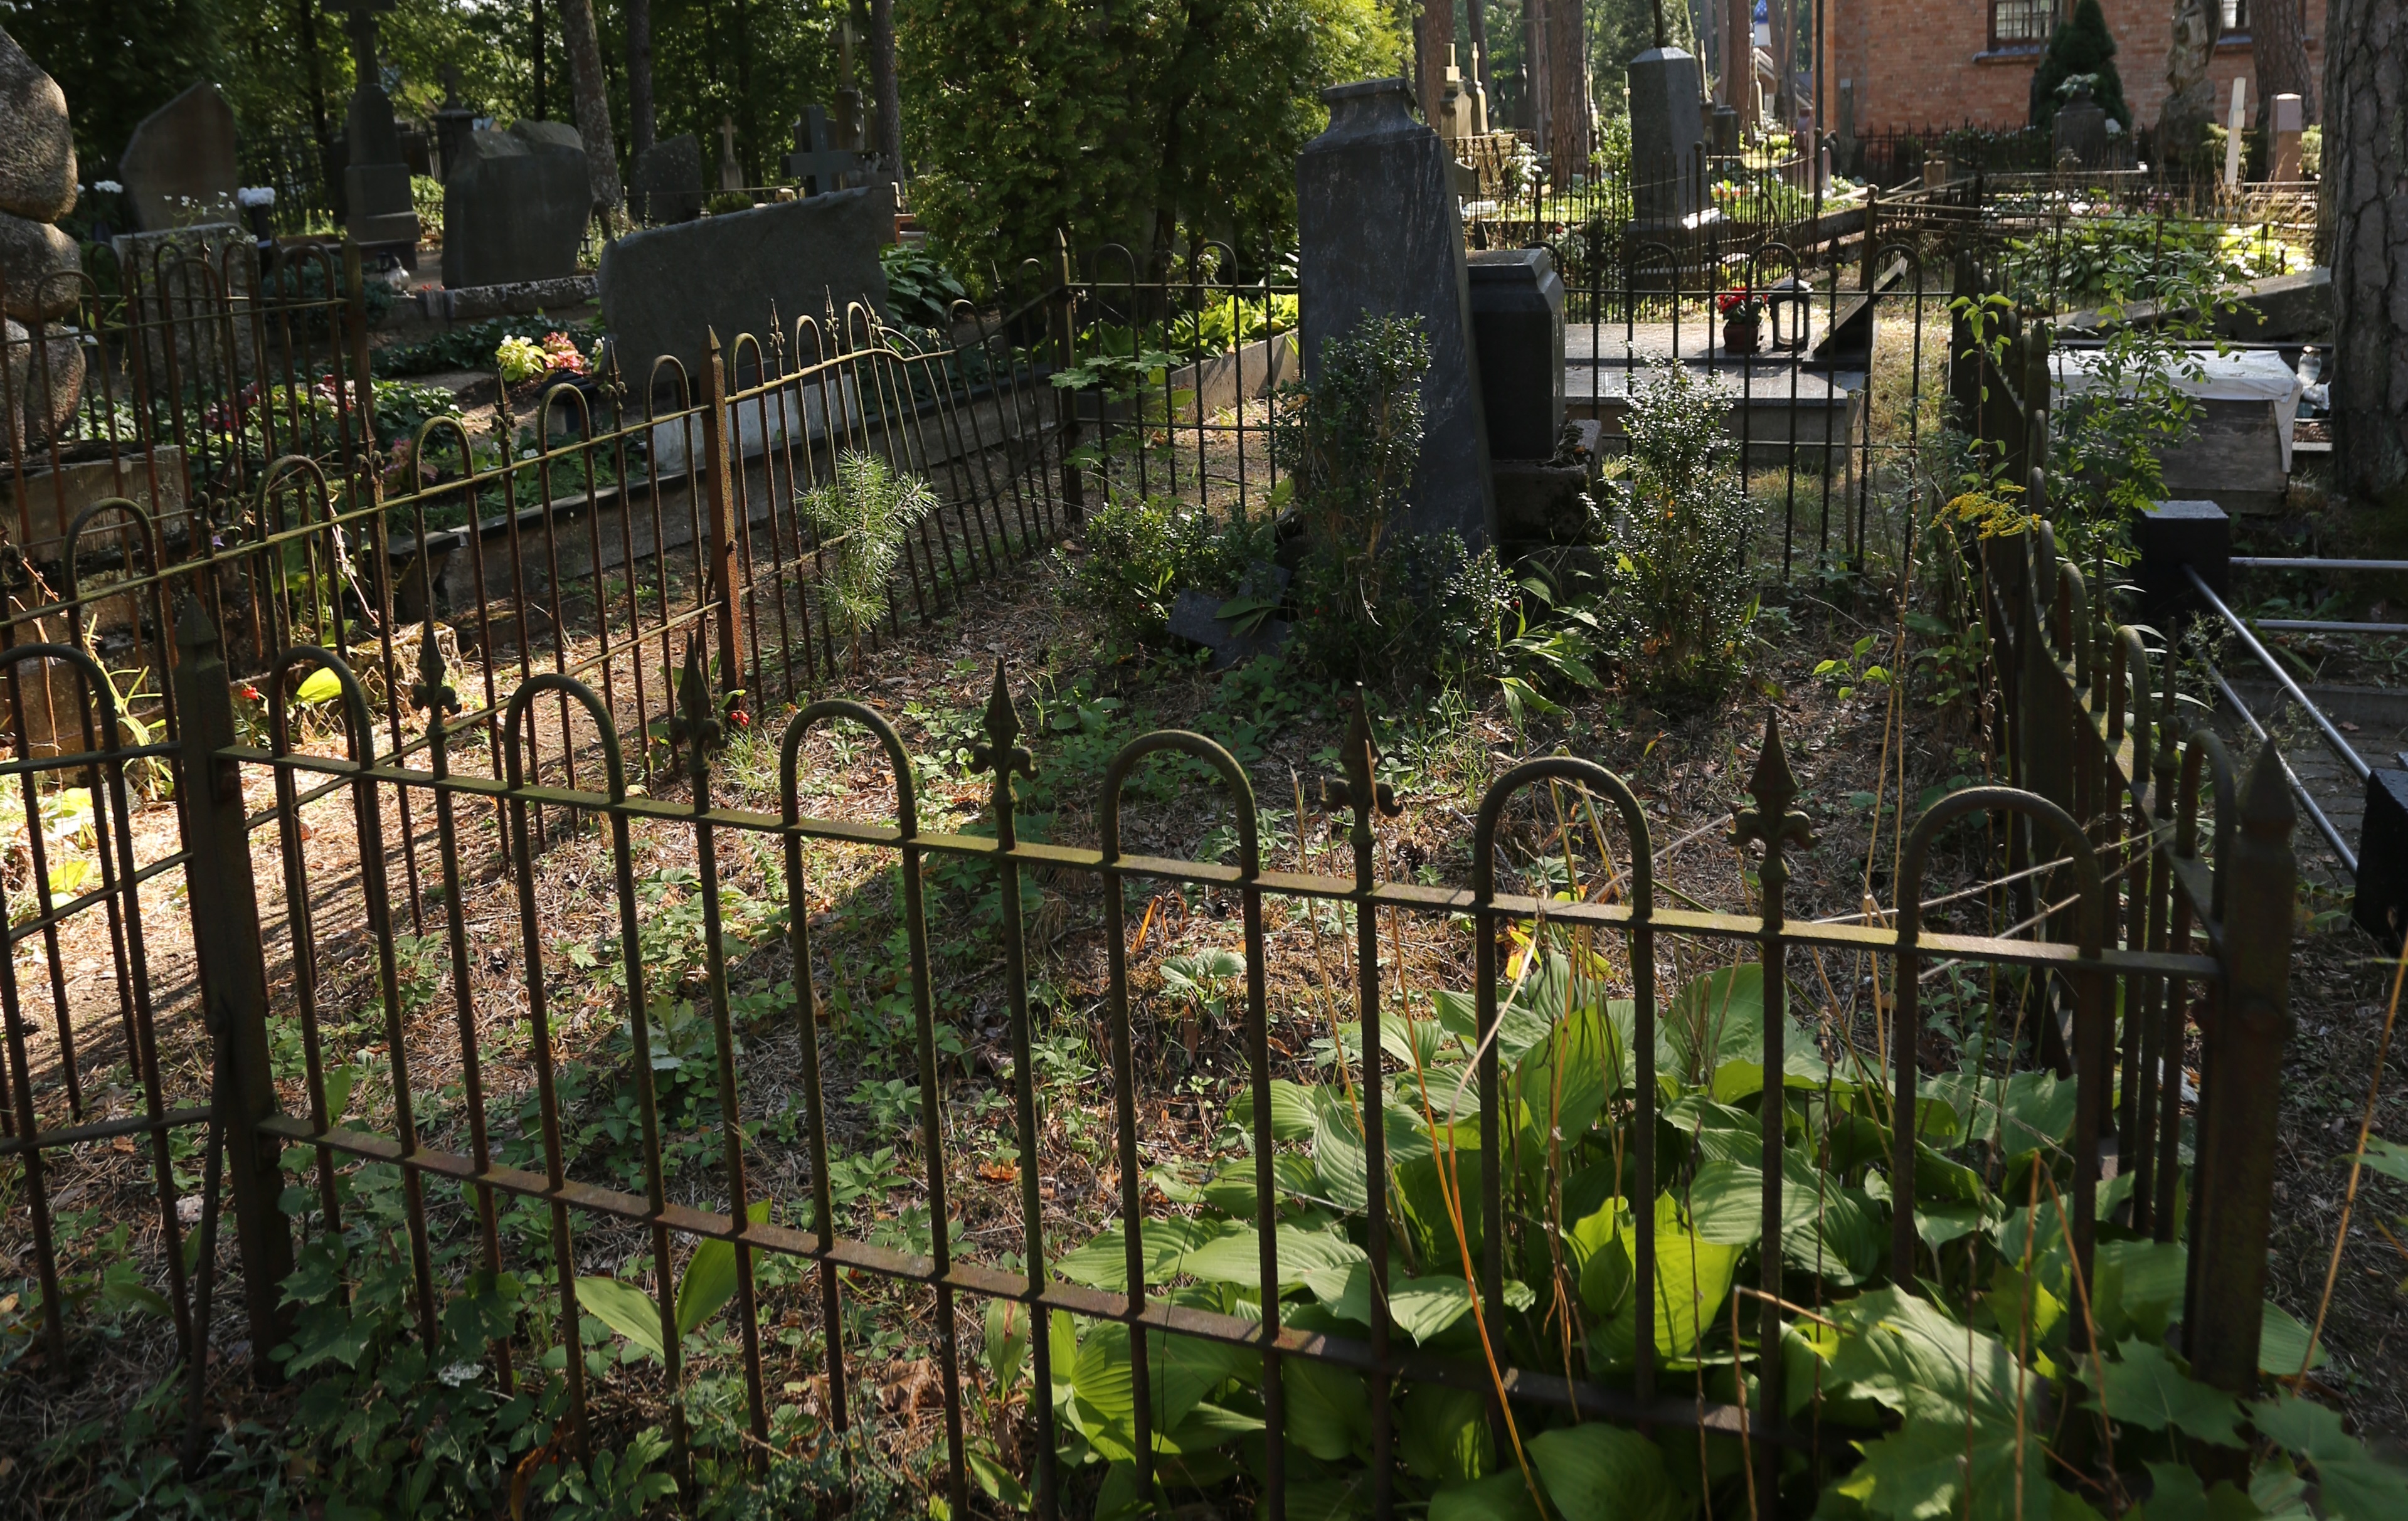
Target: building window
2234,17
2026,24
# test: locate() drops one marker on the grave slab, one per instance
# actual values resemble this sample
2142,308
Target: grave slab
1380,231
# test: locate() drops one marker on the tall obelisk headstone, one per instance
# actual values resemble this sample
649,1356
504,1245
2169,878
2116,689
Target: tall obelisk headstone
378,210
1380,231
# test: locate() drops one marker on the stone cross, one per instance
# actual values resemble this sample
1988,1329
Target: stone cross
731,174
816,161
361,24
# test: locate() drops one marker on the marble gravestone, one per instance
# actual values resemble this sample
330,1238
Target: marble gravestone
1667,134
179,166
666,185
1380,232
515,206
665,290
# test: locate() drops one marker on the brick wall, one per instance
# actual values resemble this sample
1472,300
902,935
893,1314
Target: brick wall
1925,62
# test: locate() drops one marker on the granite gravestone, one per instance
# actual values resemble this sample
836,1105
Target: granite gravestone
666,184
1517,327
1380,232
767,265
2080,130
378,210
1667,135
453,121
179,166
514,208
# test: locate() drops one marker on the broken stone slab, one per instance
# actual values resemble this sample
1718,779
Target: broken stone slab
39,266
2285,306
1195,617
517,299
37,157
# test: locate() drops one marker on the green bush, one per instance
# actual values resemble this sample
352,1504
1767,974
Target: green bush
2080,45
1141,550
1678,609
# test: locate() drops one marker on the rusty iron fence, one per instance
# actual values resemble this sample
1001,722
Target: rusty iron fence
2155,886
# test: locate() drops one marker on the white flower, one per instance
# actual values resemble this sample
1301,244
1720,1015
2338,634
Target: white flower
2115,128
250,195
108,187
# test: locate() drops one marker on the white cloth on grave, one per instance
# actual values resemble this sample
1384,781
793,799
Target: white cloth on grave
2243,375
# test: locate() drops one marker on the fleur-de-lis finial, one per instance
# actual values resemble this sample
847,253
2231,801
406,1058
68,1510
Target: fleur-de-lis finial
433,692
1773,823
696,726
1001,753
1360,789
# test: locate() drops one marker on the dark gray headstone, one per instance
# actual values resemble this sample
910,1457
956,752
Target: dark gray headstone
817,162
515,206
179,166
1666,134
1518,328
1380,232
2082,129
665,290
666,185
38,158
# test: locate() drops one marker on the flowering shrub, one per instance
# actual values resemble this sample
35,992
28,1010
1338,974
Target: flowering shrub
1741,302
518,358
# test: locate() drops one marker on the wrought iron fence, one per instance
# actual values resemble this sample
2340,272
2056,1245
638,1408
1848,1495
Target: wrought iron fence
2143,923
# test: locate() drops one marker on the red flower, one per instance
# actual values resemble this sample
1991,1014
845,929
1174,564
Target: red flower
249,693
1732,299
741,719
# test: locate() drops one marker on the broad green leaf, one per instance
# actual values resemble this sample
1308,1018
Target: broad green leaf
710,1280
1338,1155
2137,1287
1292,1111
1234,1256
999,1485
1443,1432
1717,1018
2176,1493
1693,1277
1598,1472
2387,1157
2282,1344
1103,1261
320,685
1903,1352
1499,1497
1328,1408
2351,1483
1727,1200
2144,1387
1329,1499
340,1081
1005,1340
1947,1470
1422,1308
625,1308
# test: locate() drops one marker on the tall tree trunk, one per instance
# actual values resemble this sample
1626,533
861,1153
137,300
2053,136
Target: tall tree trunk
534,45
315,70
1535,99
1569,141
2190,95
639,76
589,95
1783,17
2278,49
883,86
1436,35
2366,222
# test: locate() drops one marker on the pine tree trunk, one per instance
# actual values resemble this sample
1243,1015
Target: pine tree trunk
1569,138
883,85
639,76
2366,222
2278,48
1535,112
589,93
1437,25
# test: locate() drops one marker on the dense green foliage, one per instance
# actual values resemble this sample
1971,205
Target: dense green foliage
1121,120
2080,45
1679,606
865,515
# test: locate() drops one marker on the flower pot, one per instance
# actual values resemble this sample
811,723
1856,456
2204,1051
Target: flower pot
1742,334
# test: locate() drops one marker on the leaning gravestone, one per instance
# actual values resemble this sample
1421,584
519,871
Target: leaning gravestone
179,166
1667,134
1380,232
514,208
666,183
792,258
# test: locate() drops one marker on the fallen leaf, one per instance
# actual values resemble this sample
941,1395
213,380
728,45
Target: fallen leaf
1003,1171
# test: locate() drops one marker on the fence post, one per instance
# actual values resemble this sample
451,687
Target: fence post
1066,401
718,482
225,907
355,283
2248,1023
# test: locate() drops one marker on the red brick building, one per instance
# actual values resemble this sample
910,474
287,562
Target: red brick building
1913,63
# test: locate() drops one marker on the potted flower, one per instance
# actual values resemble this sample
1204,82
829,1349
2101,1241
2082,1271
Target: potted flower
1742,312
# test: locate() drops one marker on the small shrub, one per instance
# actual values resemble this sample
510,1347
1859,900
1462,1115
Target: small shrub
1678,608
1140,551
864,514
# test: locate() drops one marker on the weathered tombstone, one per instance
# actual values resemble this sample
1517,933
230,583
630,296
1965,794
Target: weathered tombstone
1935,169
2287,124
514,210
453,121
731,174
38,159
1666,134
1517,327
378,210
796,257
2081,129
1380,232
179,166
666,183
817,163
1722,137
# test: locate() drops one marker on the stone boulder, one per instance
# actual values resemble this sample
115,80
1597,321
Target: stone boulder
515,206
37,157
38,269
45,388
